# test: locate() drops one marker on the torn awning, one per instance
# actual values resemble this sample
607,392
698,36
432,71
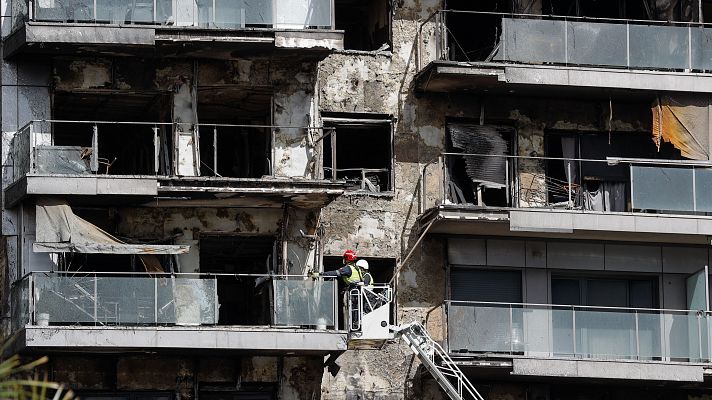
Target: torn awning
683,121
59,230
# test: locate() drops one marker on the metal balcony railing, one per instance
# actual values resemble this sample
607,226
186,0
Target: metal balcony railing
61,147
568,41
580,332
575,184
207,14
142,299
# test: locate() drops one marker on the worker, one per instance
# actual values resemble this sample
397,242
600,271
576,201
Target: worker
351,273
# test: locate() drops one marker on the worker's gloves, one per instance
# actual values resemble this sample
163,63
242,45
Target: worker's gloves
314,274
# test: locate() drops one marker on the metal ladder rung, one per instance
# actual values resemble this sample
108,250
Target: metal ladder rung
427,350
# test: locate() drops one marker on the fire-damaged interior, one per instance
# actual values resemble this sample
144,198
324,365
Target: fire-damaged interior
366,24
596,186
244,293
484,176
132,119
359,150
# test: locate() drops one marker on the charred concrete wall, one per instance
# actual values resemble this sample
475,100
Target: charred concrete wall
187,377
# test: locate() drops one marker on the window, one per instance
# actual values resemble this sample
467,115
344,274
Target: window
366,23
244,300
359,150
490,285
484,180
605,292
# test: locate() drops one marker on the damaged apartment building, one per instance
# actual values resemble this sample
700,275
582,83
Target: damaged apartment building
532,178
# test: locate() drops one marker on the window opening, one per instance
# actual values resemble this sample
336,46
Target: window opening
483,180
594,185
243,300
234,151
124,149
366,24
359,152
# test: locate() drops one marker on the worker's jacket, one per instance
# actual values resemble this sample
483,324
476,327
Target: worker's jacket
352,275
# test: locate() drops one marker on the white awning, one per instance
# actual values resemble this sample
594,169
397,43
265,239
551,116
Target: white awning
59,230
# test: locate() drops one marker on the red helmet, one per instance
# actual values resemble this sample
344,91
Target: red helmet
349,256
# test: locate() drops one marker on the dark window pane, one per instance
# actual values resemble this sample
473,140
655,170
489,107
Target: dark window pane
486,285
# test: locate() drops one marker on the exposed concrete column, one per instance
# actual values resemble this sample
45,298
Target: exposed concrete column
185,117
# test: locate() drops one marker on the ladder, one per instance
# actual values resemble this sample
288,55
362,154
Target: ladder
427,351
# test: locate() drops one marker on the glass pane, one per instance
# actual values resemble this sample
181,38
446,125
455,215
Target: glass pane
300,14
563,331
113,11
106,300
703,188
701,48
20,304
649,334
606,293
257,12
534,41
593,43
304,302
186,301
64,300
480,329
665,189
71,11
605,334
659,47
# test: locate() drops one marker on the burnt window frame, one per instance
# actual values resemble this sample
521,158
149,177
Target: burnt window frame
331,123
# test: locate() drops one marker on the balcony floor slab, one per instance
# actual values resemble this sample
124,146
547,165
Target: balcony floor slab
551,80
166,41
218,338
594,369
553,223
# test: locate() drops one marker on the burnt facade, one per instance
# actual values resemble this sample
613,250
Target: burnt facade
532,177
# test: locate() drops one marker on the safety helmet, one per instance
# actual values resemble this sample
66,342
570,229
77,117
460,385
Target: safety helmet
362,264
349,256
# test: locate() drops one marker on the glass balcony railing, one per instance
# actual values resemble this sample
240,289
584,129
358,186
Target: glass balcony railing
57,299
572,41
552,331
211,14
574,184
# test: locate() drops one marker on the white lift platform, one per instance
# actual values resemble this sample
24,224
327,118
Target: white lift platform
369,311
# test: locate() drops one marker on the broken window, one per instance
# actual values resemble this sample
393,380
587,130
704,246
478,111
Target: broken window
483,174
366,23
230,144
124,148
474,37
244,300
596,185
360,150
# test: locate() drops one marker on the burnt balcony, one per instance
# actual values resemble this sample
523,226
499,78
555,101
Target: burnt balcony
225,27
488,194
582,341
524,54
60,311
143,161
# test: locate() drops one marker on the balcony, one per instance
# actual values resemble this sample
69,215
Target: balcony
552,54
613,198
118,312
137,162
172,26
576,341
